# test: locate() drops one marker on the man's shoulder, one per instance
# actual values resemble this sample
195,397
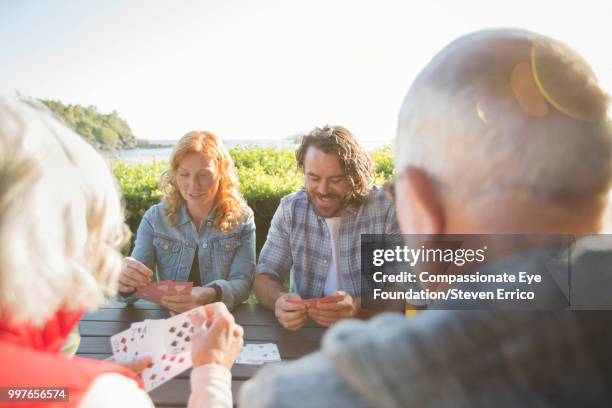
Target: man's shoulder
377,200
297,197
378,197
294,201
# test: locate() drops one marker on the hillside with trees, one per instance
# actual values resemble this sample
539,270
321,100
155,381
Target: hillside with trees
103,131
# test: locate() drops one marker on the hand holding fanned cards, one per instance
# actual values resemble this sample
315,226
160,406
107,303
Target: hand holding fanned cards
258,353
312,303
154,291
166,341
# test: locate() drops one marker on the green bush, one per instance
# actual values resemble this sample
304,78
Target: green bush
265,174
139,184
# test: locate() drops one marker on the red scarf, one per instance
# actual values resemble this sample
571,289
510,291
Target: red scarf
30,357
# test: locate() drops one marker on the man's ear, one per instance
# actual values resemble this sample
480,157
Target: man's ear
419,210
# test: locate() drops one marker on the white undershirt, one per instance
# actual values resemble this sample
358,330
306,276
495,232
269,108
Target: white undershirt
333,281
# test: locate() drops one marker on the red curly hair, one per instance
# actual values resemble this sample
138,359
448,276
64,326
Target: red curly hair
229,202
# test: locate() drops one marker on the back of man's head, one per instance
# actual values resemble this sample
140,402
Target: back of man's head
505,121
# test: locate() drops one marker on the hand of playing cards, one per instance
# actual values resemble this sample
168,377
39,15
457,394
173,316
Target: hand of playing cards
169,344
154,291
166,341
312,303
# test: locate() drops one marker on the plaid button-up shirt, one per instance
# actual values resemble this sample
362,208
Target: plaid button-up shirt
299,240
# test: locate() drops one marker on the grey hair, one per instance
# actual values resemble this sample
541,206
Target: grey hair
61,219
463,124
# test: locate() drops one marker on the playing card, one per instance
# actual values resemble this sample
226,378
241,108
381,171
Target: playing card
150,292
180,288
165,367
311,303
258,353
167,342
307,302
265,352
125,344
178,331
154,291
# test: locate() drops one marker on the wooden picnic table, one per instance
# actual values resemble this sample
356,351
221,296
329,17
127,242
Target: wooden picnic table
260,326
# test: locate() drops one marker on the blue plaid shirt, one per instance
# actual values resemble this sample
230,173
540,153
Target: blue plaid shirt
299,240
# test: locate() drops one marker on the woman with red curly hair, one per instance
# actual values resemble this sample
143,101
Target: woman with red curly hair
202,231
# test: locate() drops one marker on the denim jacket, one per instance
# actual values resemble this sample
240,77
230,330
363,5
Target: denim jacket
226,259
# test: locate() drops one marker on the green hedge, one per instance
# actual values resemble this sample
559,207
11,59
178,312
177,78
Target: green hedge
266,175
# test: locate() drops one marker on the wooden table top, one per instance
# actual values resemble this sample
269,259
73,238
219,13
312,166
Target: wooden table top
260,326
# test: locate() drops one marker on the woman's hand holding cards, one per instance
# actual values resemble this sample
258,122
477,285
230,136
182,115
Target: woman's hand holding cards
135,275
181,303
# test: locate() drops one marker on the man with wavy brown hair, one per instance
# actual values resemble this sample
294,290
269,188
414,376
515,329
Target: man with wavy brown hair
316,232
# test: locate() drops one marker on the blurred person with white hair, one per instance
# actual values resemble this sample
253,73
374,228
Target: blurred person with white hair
503,132
61,228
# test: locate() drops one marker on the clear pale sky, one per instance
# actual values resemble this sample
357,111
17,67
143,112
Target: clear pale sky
260,69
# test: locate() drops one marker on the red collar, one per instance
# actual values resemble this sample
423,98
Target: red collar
51,337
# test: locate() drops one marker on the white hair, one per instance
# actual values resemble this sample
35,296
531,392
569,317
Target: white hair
61,219
464,125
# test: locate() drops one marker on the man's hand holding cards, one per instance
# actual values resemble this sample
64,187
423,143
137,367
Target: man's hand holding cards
330,309
312,303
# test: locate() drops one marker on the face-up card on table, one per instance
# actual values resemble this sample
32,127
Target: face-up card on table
258,353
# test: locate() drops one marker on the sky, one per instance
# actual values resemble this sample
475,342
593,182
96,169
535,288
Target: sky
260,69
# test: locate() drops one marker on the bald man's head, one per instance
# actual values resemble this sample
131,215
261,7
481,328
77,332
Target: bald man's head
502,119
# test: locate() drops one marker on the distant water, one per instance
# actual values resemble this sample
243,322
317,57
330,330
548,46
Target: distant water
140,155
144,155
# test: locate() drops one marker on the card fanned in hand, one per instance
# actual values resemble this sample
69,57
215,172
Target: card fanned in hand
166,341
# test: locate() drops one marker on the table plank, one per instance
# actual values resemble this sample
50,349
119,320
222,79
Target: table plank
239,371
251,333
287,348
139,304
246,314
128,314
256,315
